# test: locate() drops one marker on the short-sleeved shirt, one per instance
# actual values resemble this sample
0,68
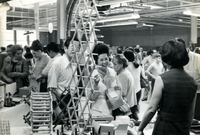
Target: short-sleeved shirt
40,64
48,66
193,67
61,73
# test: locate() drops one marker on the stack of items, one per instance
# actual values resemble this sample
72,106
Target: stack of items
41,113
4,127
195,127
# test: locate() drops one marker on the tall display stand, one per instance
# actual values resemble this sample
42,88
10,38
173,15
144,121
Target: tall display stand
76,114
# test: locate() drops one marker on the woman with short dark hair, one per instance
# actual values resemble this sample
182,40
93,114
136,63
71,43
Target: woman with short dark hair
173,95
104,78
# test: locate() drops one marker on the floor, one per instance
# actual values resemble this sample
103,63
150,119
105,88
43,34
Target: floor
17,126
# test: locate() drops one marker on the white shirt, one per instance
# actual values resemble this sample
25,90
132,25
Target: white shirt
48,66
60,75
136,75
193,67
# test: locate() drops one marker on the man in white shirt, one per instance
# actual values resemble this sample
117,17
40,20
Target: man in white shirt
193,69
62,77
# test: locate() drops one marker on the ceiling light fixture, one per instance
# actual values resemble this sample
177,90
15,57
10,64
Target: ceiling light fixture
104,3
117,24
189,12
135,15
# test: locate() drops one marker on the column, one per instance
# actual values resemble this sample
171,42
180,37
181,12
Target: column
61,20
3,28
194,29
37,22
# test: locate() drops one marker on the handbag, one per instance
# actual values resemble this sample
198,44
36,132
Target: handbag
125,108
143,82
114,96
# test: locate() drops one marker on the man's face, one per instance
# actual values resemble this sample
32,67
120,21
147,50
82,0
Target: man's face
37,54
72,48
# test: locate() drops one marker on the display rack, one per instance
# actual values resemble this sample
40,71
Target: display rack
41,113
78,113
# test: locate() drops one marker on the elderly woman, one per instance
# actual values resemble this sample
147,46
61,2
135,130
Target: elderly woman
173,95
104,78
16,68
127,83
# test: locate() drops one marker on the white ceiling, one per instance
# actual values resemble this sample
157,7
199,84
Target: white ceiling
152,12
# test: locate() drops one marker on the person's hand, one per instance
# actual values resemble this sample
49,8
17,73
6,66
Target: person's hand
117,88
96,79
140,133
9,80
13,74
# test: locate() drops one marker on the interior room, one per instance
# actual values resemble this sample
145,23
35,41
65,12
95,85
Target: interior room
121,25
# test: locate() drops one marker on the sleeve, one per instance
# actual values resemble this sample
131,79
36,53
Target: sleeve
46,69
198,64
123,82
53,76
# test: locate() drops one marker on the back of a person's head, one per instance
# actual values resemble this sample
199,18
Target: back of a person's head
36,46
174,53
9,46
100,48
3,49
149,52
137,50
130,56
119,50
53,47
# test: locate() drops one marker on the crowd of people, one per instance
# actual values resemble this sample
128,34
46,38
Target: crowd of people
172,74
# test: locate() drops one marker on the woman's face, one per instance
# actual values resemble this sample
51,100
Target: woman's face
103,60
18,55
117,66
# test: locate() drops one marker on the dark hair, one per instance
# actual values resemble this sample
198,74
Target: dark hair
174,53
122,60
130,56
16,48
28,54
119,50
69,39
157,55
100,48
36,46
3,49
137,50
9,46
130,48
52,47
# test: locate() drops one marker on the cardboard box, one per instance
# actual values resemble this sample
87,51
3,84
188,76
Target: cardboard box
24,91
103,127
